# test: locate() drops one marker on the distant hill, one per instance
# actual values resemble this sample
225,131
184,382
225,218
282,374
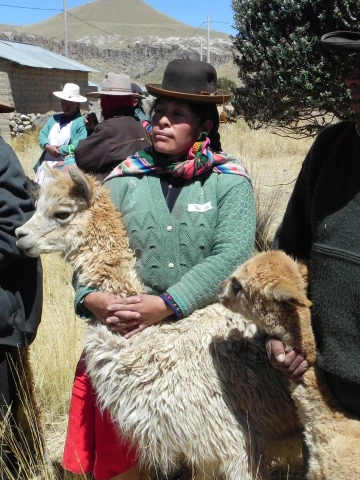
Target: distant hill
6,28
131,37
118,23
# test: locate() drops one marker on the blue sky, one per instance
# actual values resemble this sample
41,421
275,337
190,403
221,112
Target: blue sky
191,12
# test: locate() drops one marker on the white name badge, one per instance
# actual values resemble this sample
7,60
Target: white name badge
194,207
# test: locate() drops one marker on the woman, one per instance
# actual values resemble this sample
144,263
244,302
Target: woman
195,209
119,135
62,132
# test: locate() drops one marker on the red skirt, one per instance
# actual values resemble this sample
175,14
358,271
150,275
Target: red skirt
92,444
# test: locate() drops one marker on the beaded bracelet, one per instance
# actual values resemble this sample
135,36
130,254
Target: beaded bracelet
172,304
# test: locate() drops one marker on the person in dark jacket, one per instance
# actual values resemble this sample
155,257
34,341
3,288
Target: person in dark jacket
321,226
119,135
20,287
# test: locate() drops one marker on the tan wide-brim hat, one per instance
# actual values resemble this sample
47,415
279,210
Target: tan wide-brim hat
191,80
117,84
6,107
71,93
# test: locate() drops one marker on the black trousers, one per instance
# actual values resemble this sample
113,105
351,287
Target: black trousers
9,404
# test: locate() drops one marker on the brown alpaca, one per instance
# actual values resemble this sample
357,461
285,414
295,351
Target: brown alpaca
199,390
270,290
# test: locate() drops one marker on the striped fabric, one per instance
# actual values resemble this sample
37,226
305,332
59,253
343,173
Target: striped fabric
199,160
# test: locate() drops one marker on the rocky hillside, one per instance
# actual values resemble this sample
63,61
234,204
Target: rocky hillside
125,36
143,62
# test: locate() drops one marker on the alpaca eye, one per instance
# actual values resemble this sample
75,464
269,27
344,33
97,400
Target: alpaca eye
62,215
236,285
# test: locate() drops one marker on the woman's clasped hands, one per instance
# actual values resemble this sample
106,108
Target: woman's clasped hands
129,315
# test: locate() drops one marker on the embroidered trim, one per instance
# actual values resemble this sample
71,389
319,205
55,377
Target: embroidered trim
113,89
172,304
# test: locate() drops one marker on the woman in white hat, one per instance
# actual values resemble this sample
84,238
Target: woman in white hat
62,132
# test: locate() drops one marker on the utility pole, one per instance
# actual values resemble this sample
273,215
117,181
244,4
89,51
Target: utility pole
65,32
208,39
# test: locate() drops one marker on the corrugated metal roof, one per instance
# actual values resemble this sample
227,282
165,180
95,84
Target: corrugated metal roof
37,57
95,85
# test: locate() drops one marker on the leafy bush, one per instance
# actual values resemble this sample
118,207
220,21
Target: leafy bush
289,81
225,83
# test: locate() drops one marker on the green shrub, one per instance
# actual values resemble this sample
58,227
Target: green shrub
289,81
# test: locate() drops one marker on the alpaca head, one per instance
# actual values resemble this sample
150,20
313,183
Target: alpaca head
270,290
61,216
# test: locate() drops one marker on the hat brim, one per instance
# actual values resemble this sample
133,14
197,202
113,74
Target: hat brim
70,98
343,42
221,96
114,93
6,107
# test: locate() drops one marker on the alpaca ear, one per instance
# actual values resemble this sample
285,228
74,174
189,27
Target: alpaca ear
82,182
285,291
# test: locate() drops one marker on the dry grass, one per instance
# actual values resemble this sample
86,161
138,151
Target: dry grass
274,163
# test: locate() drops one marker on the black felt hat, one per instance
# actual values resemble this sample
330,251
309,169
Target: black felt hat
190,80
345,42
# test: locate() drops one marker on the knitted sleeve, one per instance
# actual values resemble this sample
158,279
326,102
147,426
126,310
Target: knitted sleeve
233,244
78,132
44,132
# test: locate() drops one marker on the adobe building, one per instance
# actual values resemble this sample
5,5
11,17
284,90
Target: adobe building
28,76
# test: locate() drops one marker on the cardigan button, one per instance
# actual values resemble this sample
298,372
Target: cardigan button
171,265
169,228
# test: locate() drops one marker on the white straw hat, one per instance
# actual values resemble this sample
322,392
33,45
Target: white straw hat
71,93
114,84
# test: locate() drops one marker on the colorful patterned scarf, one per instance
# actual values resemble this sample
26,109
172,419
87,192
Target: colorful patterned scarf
199,160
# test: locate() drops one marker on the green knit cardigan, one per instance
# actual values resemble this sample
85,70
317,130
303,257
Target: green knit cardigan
186,253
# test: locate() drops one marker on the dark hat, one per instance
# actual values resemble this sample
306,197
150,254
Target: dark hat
6,107
137,90
345,42
191,80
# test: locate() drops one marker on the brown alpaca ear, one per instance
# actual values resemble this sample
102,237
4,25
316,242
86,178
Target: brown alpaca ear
285,291
81,181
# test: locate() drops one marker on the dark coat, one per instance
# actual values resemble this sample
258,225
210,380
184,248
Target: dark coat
321,225
111,142
20,276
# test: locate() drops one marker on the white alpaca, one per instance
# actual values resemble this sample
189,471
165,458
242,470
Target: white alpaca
270,290
199,390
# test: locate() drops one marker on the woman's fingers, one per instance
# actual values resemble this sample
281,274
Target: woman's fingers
123,316
123,303
275,350
291,363
123,327
137,330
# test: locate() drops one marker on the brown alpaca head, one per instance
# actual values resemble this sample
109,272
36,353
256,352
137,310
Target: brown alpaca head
61,216
270,290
